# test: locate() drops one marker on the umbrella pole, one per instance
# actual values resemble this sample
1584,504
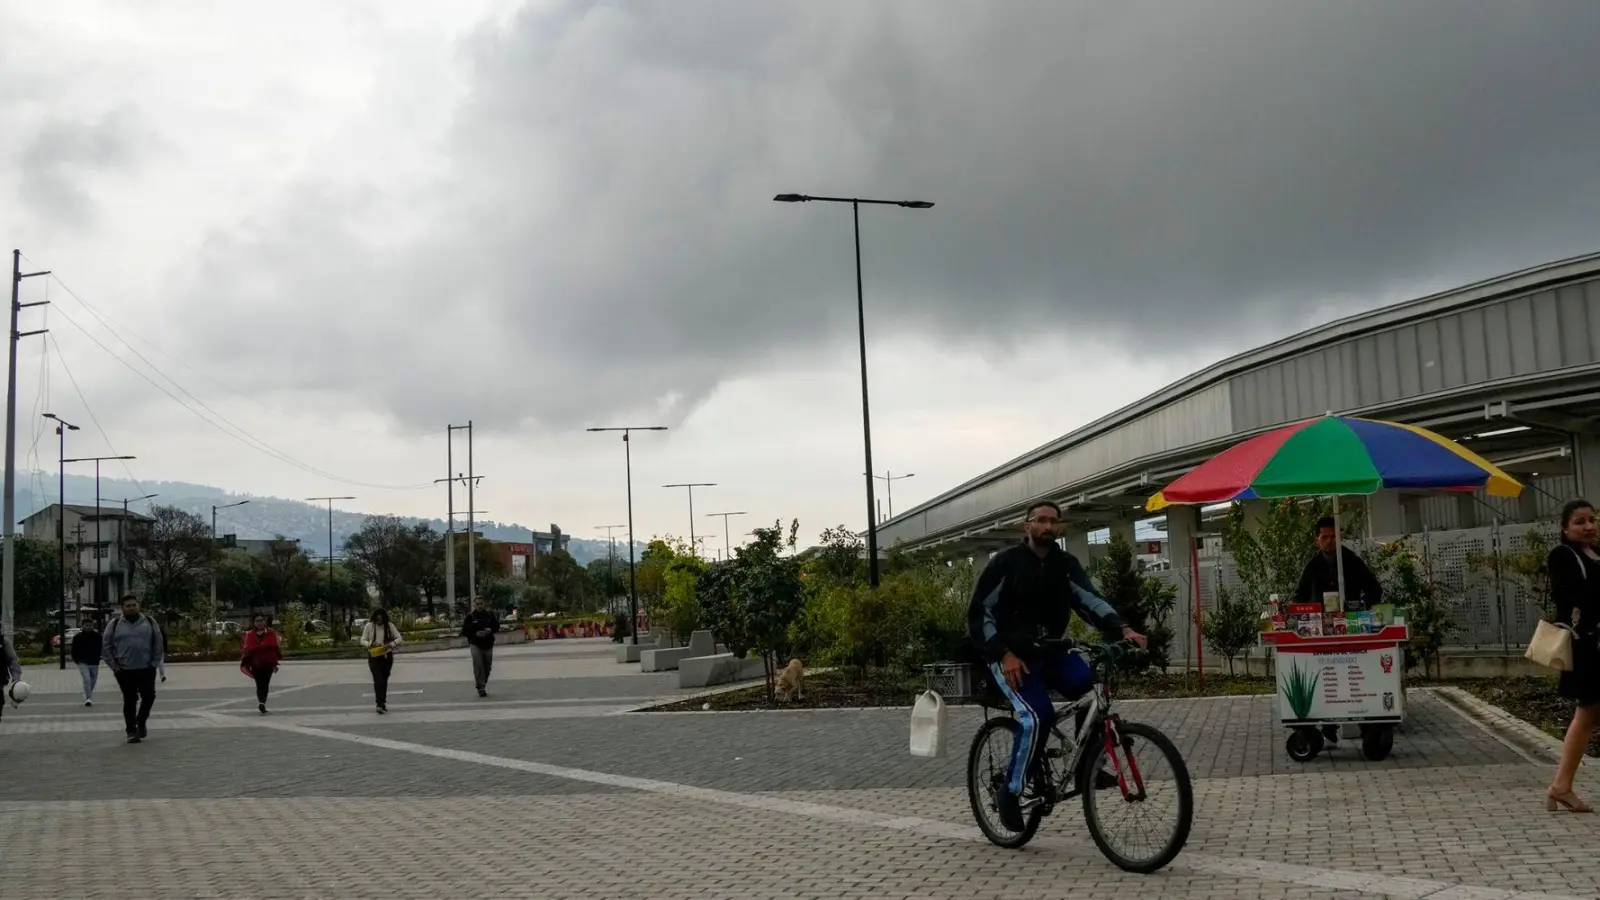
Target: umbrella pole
1338,551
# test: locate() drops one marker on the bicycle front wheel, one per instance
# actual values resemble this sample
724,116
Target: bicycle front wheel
1141,823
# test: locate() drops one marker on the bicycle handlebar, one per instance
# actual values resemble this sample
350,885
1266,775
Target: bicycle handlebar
1105,653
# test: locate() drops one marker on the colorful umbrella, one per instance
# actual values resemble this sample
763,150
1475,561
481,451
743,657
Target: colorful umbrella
1335,455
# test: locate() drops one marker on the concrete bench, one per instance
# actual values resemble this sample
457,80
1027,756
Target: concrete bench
662,659
719,668
628,651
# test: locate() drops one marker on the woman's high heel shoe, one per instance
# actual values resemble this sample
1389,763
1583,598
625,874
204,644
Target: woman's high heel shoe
1568,801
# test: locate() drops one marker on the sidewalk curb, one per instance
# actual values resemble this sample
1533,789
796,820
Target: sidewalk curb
1502,725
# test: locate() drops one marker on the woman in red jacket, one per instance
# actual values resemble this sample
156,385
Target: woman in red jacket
261,657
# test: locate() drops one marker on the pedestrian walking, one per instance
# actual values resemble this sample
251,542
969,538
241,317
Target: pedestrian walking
479,629
86,654
133,649
260,657
10,669
1574,567
380,638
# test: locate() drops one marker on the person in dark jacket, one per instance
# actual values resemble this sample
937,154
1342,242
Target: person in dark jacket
1027,593
479,628
10,667
86,654
1574,567
1321,575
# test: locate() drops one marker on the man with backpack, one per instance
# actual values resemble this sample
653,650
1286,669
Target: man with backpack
134,648
479,629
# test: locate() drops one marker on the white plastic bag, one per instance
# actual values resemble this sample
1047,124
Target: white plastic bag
928,726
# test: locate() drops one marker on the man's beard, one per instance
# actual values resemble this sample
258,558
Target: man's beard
130,616
1040,540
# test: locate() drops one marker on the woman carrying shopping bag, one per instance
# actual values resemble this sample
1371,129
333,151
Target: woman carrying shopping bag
1574,567
260,657
380,638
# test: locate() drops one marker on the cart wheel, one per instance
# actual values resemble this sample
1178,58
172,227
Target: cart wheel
1304,744
1376,741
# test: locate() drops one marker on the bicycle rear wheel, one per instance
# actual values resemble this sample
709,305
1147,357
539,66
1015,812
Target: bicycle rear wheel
986,774
1154,801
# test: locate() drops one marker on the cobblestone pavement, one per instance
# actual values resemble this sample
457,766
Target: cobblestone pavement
550,789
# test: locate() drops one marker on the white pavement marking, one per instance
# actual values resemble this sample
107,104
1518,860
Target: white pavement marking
1287,873
242,698
393,693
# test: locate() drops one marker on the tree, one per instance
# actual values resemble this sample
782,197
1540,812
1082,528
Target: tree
1522,562
286,572
841,557
1145,603
651,571
239,583
680,605
491,565
753,601
609,576
38,579
566,582
392,557
1232,626
171,555
341,596
1407,584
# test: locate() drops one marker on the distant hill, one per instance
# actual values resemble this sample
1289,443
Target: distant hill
262,517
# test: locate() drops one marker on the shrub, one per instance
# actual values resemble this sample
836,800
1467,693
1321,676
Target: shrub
1145,603
1232,626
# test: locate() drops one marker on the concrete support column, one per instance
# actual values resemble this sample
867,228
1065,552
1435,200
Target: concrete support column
1075,540
1385,514
1586,458
1255,512
1124,527
1183,524
1468,512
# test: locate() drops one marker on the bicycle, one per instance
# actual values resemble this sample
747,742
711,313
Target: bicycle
1068,769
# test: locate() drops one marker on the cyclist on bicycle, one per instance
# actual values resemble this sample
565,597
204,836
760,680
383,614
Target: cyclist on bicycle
1027,593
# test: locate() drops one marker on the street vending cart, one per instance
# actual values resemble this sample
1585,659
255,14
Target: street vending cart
1335,668
1338,680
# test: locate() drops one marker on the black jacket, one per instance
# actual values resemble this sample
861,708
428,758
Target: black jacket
476,622
1321,576
86,648
1021,597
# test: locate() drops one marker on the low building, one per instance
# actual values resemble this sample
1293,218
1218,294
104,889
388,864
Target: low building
95,538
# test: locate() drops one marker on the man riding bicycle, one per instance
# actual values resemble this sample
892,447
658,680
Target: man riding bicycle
1027,593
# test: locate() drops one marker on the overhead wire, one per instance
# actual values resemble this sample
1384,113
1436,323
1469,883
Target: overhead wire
227,427
107,320
92,417
41,403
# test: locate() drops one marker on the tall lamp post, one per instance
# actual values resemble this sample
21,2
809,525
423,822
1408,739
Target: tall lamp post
62,427
633,580
213,623
611,563
727,544
861,325
888,479
329,500
691,488
99,552
122,532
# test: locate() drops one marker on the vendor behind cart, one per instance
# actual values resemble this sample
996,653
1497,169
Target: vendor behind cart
1321,576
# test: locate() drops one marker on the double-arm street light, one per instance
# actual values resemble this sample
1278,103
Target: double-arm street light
861,325
633,581
213,623
727,545
99,552
62,427
691,486
888,480
328,610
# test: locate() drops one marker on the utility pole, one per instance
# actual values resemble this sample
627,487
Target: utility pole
472,532
727,544
211,625
122,553
8,568
691,488
329,500
62,427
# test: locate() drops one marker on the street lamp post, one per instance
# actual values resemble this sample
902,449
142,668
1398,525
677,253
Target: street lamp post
213,623
633,580
122,531
328,611
888,479
727,544
98,550
861,326
62,427
691,488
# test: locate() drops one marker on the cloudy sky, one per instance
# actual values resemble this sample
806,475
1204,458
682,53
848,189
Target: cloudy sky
300,238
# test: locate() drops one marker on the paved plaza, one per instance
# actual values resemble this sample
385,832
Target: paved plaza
552,788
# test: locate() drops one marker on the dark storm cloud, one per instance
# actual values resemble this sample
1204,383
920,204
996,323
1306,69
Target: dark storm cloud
1151,172
55,161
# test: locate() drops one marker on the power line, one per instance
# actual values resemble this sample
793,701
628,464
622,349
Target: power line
92,417
237,433
107,320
